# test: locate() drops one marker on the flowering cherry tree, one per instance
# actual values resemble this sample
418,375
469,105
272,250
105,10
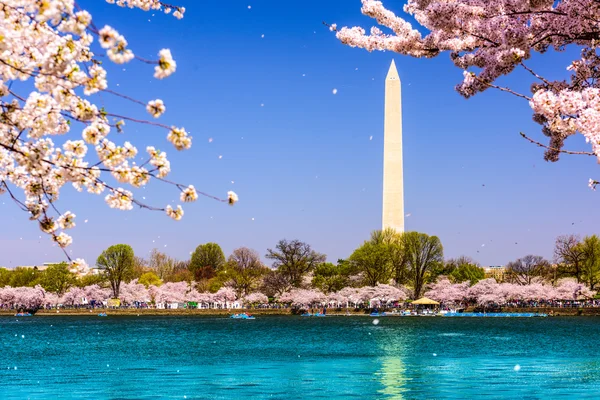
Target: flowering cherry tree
50,71
74,297
303,297
447,292
96,293
489,39
170,292
255,298
570,289
133,291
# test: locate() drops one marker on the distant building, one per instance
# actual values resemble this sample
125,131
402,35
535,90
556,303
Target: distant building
495,271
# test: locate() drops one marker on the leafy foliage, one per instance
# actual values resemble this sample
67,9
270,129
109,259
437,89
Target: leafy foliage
206,260
117,265
58,279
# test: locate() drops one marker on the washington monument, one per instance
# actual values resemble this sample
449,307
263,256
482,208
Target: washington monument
393,174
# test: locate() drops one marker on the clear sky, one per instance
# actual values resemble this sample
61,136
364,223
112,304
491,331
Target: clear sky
302,159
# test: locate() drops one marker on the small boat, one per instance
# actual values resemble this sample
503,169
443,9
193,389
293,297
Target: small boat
241,316
377,314
320,314
25,314
306,315
103,314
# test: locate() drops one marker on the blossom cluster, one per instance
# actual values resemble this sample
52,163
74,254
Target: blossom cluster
373,295
129,293
488,291
485,292
50,45
490,39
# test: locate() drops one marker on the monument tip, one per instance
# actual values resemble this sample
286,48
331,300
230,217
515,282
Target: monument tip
393,72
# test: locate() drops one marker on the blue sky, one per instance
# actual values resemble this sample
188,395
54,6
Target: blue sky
300,157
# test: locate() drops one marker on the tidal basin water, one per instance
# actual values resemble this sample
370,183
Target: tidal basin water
294,357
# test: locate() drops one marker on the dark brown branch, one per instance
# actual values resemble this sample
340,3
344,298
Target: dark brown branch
582,153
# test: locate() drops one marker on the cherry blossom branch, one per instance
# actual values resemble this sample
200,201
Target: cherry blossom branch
503,89
584,153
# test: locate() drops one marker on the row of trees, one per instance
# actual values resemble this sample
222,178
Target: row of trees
489,292
386,257
411,260
486,292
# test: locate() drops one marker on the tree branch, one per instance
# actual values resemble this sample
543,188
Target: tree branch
583,153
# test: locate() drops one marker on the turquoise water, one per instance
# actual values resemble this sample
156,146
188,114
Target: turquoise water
294,357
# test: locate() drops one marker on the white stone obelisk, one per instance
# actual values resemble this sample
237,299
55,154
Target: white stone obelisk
393,174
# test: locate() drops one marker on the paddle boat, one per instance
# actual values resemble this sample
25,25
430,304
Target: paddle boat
23,314
377,314
242,316
317,314
102,314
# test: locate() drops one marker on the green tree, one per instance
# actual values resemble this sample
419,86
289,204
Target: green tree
58,279
460,269
149,278
88,280
393,240
294,259
373,260
243,271
329,277
206,260
467,272
448,267
5,275
22,276
591,262
117,264
423,254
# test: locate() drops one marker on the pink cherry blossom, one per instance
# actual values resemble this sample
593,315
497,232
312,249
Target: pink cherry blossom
490,39
303,297
255,298
445,291
74,297
133,292
49,47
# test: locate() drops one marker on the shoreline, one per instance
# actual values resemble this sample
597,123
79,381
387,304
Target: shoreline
262,312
